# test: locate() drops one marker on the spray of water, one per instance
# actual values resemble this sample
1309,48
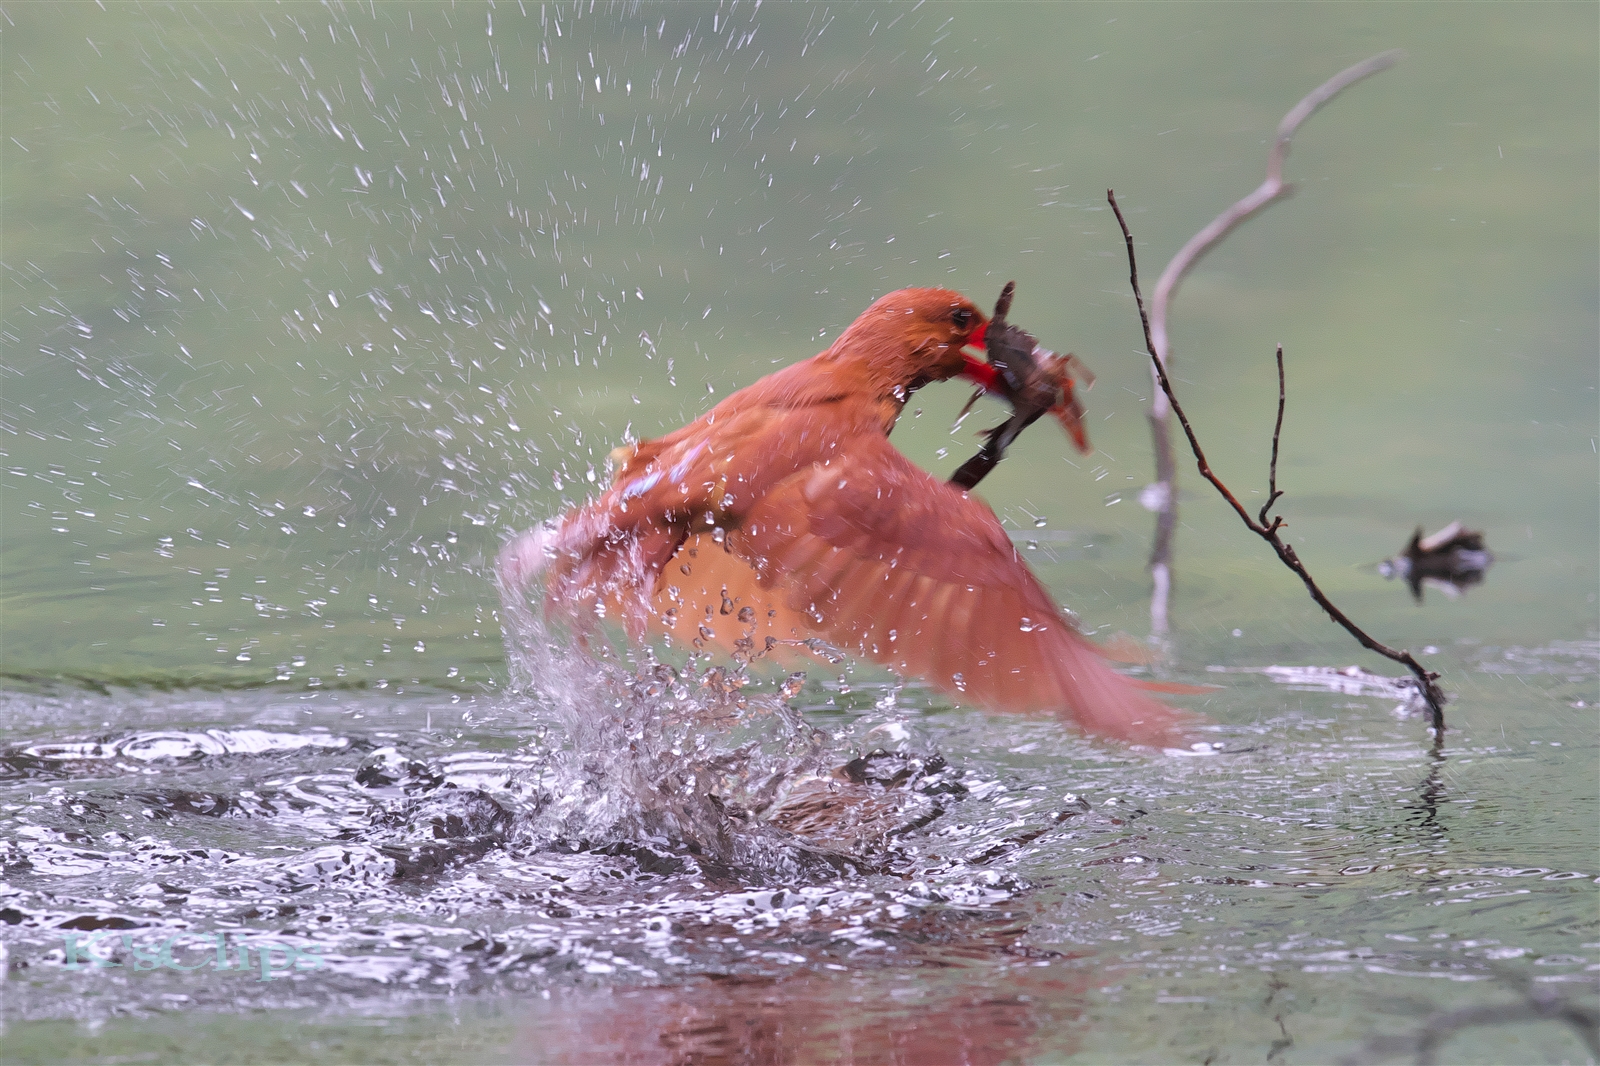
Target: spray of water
685,756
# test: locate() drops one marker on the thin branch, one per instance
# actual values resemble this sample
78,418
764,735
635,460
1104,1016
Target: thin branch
1270,190
1272,470
1426,680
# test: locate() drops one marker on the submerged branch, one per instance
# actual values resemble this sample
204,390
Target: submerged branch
1426,680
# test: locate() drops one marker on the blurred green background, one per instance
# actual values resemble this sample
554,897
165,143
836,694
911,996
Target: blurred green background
307,307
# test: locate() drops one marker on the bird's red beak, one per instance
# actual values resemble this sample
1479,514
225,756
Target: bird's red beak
976,370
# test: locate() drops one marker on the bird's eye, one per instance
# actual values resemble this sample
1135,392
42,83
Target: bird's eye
961,317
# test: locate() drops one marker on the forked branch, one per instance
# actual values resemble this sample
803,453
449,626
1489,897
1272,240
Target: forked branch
1259,525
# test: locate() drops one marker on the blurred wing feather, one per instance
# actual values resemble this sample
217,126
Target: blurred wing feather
886,561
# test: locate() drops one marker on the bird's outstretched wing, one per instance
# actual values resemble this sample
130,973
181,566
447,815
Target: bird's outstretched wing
882,559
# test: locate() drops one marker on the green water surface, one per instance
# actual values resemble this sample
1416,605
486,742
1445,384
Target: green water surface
305,308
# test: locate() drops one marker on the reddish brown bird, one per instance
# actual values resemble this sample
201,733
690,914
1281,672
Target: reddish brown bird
785,512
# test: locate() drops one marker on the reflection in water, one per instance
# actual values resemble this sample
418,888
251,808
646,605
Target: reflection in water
1441,1027
711,883
919,1019
1431,792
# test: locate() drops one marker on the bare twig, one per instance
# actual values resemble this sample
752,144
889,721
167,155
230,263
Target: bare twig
1272,189
1272,470
1426,680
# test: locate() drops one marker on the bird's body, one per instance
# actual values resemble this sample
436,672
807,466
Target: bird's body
785,512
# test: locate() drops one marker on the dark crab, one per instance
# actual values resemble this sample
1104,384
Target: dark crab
1035,381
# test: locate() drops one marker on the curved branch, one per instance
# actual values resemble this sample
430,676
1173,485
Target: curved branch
1163,493
1272,189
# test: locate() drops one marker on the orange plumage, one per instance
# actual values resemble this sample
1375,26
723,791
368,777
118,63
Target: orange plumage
785,512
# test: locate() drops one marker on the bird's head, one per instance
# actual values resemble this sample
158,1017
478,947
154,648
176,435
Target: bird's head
913,336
